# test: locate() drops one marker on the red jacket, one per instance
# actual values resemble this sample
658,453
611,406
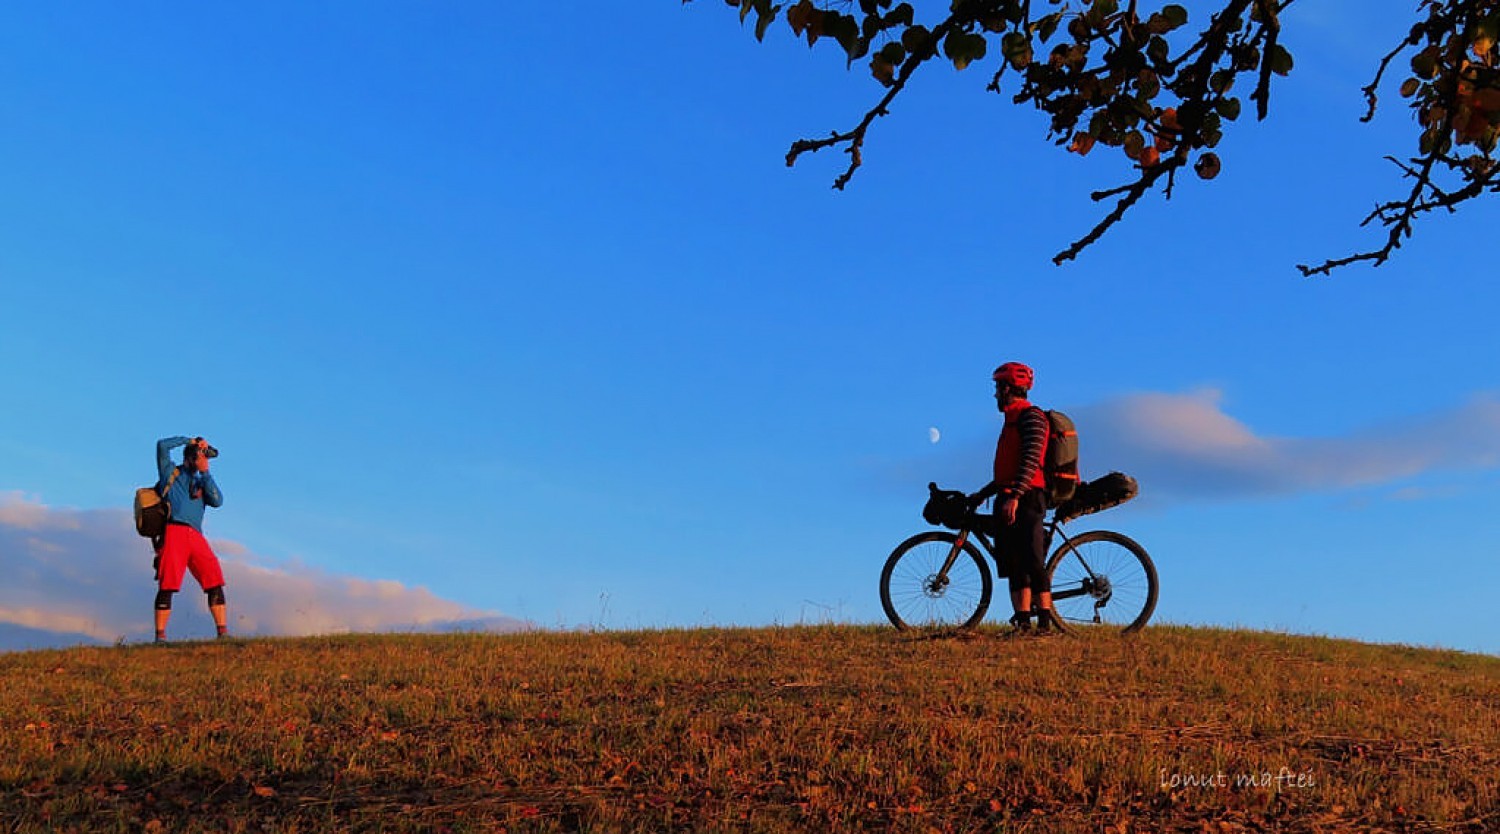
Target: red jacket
1021,449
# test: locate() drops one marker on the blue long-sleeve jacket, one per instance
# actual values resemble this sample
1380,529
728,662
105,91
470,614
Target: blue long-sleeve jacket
191,491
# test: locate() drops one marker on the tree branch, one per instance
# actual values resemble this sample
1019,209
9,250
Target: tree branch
1271,31
1133,193
856,137
1399,223
1369,89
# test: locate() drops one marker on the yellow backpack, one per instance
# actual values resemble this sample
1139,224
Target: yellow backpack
152,508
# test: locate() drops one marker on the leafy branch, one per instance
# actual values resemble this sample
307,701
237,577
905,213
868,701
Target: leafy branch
1455,93
1148,85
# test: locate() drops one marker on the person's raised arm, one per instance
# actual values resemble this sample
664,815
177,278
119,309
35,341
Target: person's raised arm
164,449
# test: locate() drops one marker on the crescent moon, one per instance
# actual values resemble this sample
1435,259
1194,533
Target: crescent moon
934,435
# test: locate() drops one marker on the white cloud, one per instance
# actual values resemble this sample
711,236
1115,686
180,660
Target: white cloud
86,572
17,511
1186,446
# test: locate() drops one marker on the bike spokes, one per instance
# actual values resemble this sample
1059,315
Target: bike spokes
935,581
1105,579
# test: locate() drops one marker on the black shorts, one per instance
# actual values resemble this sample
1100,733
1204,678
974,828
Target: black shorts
1021,548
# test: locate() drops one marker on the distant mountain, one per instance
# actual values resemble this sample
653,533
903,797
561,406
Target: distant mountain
492,625
15,638
21,638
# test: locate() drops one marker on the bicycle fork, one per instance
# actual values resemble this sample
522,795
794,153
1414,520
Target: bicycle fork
939,580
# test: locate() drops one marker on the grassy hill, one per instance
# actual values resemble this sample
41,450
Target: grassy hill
777,729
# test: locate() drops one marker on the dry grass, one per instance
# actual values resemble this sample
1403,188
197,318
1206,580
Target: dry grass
778,729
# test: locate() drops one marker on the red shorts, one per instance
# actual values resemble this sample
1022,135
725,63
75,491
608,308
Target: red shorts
184,548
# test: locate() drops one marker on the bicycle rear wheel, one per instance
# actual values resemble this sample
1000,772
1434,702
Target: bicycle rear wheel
1103,579
913,594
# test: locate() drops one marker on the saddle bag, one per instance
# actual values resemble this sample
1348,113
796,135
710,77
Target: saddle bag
1112,490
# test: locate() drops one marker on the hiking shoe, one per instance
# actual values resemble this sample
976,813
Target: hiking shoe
1047,624
1020,626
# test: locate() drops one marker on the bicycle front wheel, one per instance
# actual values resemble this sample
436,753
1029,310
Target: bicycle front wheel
1103,579
914,593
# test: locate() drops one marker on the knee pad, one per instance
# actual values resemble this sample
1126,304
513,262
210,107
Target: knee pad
164,600
216,595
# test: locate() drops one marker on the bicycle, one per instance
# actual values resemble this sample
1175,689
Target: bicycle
1099,578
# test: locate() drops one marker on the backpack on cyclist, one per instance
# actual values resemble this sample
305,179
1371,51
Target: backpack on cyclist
1061,465
152,508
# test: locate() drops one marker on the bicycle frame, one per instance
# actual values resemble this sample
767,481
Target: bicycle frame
1085,588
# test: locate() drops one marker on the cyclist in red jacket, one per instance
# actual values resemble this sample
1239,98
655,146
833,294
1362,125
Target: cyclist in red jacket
1021,505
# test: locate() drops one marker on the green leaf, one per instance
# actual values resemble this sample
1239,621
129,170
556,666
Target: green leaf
1047,26
844,29
1229,108
963,49
1208,166
1148,84
902,15
799,16
1425,63
1082,144
1016,48
892,53
916,38
1175,15
765,16
1157,50
1279,60
1428,141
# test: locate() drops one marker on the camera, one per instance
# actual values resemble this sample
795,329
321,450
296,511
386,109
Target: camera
193,450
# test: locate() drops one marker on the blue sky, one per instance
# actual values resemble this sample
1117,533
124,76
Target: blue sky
509,314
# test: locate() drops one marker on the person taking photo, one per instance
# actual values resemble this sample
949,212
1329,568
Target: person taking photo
188,489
